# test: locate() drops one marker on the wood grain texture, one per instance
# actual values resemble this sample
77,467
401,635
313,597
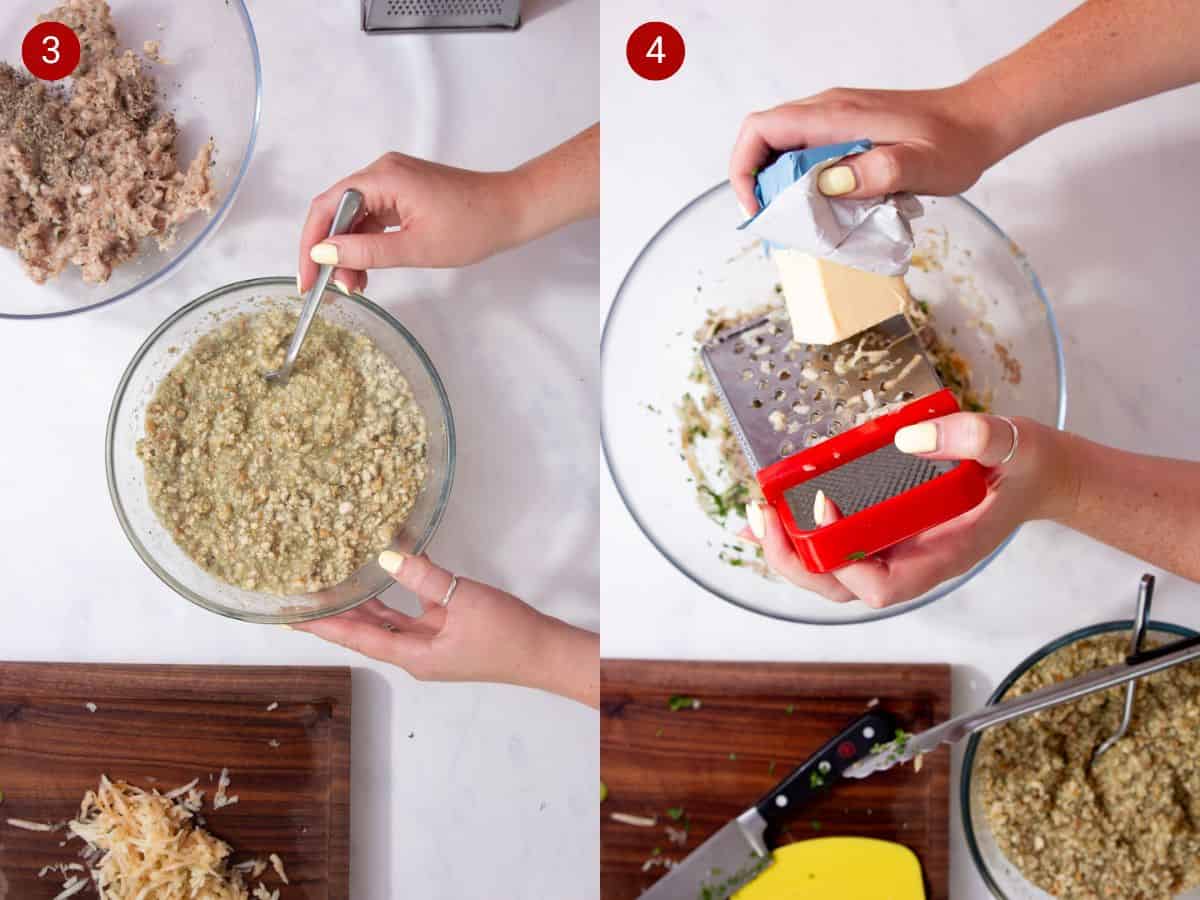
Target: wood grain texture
162,726
716,761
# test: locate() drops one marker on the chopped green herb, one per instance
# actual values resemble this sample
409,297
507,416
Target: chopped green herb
658,733
733,757
857,554
816,826
816,779
771,768
675,812
657,851
790,708
603,792
678,702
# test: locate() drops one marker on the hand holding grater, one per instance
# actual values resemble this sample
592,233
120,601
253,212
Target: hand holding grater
814,418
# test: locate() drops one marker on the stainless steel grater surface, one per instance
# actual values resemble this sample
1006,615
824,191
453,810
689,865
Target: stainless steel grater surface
783,397
436,15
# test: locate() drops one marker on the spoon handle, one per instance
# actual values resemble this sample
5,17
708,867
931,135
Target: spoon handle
348,208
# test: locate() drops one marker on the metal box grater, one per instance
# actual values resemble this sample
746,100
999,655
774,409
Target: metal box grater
381,16
815,418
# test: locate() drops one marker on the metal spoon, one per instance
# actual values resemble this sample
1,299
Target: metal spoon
348,208
1145,596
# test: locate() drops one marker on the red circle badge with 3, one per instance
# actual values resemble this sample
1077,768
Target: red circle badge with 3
655,51
50,51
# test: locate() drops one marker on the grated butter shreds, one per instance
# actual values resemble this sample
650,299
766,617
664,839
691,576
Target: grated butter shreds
26,825
143,844
71,887
221,799
277,864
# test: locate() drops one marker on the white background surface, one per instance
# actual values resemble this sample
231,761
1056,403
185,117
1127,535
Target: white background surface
495,793
1105,210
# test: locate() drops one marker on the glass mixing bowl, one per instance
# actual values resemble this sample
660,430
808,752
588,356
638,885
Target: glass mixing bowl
127,479
213,84
975,280
1002,877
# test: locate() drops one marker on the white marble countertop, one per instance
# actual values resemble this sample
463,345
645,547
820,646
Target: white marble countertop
495,792
1105,209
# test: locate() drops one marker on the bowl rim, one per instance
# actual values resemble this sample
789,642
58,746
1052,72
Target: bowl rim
441,503
972,749
1020,259
215,219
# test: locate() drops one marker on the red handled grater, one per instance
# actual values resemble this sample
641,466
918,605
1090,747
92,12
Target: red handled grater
815,418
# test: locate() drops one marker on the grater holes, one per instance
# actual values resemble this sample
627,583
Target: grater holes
812,439
785,374
787,448
800,408
756,403
818,395
739,347
762,384
767,366
780,396
747,374
444,8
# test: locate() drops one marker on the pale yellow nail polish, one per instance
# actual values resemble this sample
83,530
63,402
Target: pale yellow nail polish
836,180
324,254
747,212
341,285
391,561
299,285
754,518
819,507
919,438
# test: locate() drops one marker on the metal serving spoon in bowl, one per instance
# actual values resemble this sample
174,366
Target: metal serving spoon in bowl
347,210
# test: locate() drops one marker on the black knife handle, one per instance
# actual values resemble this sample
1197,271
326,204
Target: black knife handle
825,766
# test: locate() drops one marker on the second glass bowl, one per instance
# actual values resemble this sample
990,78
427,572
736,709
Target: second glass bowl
126,474
212,84
1002,878
974,278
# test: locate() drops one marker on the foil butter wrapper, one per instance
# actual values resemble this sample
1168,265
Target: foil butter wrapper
872,234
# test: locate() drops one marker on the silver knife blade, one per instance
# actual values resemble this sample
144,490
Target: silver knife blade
716,869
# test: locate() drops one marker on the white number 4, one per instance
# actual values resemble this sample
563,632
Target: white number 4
52,56
656,50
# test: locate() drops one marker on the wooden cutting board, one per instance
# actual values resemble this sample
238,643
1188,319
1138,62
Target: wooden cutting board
162,726
756,722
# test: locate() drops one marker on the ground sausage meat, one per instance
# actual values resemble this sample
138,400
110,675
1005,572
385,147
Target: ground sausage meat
87,174
1125,827
283,488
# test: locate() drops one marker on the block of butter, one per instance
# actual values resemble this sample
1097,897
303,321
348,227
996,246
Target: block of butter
828,302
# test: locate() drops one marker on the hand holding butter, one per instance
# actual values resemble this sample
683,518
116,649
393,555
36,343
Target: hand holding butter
840,260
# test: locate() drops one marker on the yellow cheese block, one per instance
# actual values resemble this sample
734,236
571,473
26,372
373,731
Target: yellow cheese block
828,302
839,868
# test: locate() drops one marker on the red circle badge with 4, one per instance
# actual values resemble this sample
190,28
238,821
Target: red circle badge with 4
50,51
655,51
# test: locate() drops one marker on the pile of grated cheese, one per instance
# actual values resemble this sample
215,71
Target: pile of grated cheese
142,844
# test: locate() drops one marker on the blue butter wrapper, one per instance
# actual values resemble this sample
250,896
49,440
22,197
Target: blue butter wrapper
795,164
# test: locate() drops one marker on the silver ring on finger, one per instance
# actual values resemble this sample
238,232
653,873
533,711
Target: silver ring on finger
445,601
1016,432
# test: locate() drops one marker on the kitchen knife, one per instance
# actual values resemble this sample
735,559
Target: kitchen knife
733,856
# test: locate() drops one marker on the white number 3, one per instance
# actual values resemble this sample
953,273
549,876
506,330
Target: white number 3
52,56
656,50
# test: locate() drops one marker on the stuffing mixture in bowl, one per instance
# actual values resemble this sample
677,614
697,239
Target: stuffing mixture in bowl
283,488
1127,825
87,174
